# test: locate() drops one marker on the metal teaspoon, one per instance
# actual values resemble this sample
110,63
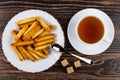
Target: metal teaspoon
59,48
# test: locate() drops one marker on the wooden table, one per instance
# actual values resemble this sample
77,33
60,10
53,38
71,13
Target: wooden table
108,69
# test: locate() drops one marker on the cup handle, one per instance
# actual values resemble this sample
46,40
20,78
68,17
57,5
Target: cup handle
106,40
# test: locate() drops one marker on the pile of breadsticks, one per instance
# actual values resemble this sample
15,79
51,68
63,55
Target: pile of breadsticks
33,39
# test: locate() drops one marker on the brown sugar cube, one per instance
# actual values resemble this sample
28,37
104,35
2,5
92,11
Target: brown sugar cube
77,64
64,62
70,70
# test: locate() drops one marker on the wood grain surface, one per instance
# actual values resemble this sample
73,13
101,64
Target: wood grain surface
63,10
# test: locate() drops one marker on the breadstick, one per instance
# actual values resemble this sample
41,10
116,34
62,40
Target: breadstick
17,52
34,55
27,20
41,54
43,24
49,36
45,51
20,49
21,32
53,27
36,52
44,42
44,33
14,32
42,47
31,33
26,24
27,54
23,43
31,27
37,34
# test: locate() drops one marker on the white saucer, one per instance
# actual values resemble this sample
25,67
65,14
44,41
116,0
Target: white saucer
90,49
27,65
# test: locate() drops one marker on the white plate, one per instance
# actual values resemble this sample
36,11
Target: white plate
28,65
90,49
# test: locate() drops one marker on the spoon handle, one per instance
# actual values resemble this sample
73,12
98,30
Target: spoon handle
89,61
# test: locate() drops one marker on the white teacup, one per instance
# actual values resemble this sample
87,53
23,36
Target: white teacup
102,44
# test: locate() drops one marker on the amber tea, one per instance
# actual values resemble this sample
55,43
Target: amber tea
90,29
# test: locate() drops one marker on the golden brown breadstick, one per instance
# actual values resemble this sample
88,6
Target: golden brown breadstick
52,27
27,20
42,47
45,51
31,33
43,24
31,27
41,54
37,33
26,24
44,42
23,43
21,32
36,52
20,49
34,55
43,33
14,32
27,54
46,37
17,52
